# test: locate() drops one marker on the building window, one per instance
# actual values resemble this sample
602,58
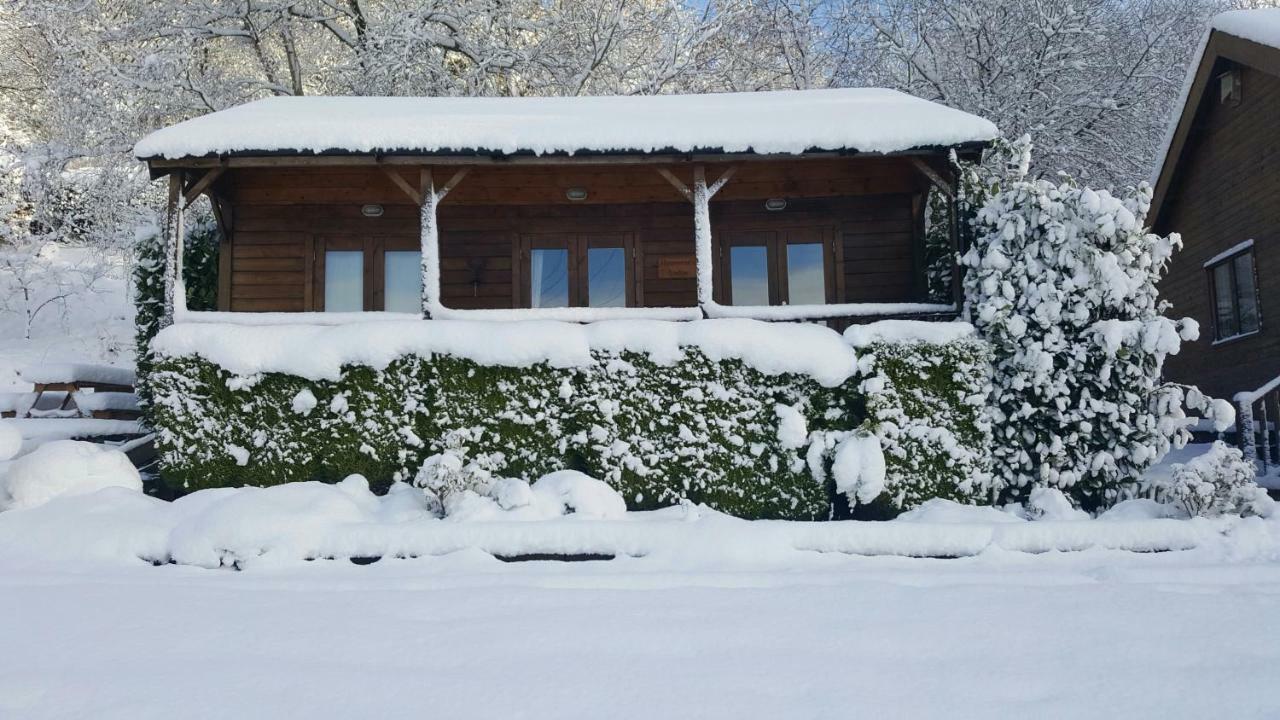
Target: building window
606,277
402,281
749,275
549,277
344,280
1234,295
777,268
577,270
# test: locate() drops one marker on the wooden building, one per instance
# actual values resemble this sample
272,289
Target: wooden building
1219,186
673,207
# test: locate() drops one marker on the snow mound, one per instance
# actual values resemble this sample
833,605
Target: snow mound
65,467
580,494
551,496
948,512
10,440
1051,504
859,468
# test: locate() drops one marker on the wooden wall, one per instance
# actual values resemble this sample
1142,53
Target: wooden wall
283,218
1227,190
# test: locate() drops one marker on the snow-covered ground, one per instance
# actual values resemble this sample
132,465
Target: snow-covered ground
95,327
1098,633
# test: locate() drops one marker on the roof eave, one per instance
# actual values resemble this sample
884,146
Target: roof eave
257,158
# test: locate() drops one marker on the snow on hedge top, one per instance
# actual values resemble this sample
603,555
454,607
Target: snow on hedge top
319,352
906,331
1261,25
862,119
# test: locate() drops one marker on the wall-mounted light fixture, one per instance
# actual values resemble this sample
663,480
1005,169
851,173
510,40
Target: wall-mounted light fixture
576,194
775,204
371,210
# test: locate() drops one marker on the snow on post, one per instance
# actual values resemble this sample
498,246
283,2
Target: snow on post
702,234
430,239
173,290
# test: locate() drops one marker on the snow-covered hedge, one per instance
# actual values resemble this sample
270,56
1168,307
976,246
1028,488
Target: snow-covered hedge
926,403
735,414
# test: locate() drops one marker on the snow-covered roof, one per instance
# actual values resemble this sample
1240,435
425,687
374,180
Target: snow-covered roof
1261,25
864,120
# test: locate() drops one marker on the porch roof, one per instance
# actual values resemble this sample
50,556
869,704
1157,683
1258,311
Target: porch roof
862,120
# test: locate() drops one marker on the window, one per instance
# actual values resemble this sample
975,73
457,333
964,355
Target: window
1234,295
344,280
402,281
577,270
606,277
749,275
786,267
549,277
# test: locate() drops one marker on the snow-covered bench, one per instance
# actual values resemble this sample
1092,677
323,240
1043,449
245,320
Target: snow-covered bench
71,380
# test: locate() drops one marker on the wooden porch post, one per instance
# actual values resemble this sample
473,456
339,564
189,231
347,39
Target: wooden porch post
703,258
174,294
429,198
700,196
430,239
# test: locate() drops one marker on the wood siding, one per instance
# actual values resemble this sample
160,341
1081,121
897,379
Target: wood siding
868,211
1227,190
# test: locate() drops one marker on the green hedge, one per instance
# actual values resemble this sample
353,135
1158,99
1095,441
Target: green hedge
701,430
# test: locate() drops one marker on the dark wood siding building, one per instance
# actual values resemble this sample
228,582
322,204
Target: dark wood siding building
1219,187
554,223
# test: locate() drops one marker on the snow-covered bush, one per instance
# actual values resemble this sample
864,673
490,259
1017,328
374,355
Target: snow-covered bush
1061,281
925,401
64,467
1219,482
719,432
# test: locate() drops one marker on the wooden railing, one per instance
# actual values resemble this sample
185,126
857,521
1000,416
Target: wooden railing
1258,424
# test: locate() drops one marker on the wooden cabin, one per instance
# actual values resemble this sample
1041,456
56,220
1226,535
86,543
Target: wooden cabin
675,207
1219,186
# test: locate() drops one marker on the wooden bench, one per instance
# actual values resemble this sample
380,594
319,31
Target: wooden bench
73,379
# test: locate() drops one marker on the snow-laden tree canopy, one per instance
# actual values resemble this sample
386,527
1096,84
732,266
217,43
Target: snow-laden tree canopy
1061,279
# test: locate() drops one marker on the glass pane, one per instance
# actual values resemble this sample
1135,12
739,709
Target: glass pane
1223,301
402,281
1246,293
806,275
344,281
606,277
749,275
549,277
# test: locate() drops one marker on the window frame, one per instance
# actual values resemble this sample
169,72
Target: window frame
776,241
577,244
1210,272
374,249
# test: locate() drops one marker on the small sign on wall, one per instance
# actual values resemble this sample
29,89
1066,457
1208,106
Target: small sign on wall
673,267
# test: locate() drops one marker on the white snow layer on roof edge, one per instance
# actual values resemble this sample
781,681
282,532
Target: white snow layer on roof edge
784,122
1261,25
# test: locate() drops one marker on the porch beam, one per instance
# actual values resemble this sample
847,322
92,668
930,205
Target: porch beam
676,183
398,180
452,183
203,184
932,176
